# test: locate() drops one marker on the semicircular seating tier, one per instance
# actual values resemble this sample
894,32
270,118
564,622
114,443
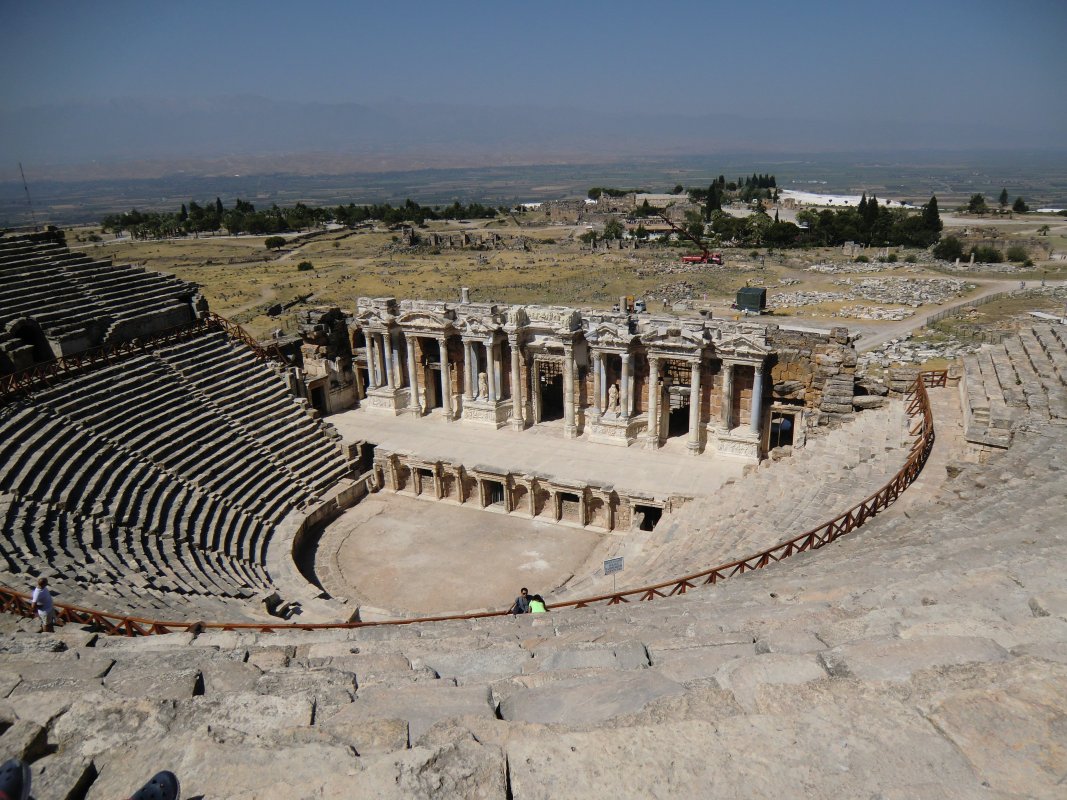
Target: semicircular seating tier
56,302
158,481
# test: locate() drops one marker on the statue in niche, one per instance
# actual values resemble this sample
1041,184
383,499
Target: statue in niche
613,399
483,386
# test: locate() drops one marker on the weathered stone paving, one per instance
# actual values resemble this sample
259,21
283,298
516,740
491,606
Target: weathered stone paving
922,656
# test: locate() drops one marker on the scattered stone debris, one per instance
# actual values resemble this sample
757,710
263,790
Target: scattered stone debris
907,350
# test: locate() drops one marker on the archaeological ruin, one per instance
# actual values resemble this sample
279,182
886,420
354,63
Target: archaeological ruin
284,567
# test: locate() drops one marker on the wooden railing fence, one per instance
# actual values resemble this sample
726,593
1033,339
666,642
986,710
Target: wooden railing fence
918,409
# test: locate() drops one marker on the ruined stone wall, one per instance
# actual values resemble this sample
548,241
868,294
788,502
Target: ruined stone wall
806,361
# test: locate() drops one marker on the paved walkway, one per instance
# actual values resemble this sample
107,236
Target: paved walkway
543,451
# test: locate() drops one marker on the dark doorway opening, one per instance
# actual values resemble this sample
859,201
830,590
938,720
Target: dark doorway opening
551,397
425,480
647,517
318,399
494,493
431,362
678,416
782,427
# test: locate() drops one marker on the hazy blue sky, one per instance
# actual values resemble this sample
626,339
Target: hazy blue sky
936,62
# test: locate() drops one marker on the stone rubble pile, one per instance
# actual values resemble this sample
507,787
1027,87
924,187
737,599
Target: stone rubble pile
906,291
906,350
874,312
852,266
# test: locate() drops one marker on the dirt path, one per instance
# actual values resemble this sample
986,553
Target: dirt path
872,339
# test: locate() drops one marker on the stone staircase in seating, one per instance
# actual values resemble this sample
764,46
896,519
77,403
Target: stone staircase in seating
835,470
1015,383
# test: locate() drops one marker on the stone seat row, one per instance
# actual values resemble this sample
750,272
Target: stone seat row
919,657
1022,379
768,506
253,397
50,460
147,573
173,430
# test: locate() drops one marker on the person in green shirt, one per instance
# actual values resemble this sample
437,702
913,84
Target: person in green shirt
537,605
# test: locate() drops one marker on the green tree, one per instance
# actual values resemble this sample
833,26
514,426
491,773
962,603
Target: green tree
1020,207
930,216
613,229
948,249
1043,230
305,266
678,189
1002,201
977,204
274,242
1017,253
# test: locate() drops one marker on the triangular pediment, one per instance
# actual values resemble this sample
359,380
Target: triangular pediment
424,319
741,344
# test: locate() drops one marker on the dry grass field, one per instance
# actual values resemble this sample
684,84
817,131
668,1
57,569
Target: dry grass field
242,279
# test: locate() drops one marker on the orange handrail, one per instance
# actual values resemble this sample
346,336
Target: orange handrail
918,405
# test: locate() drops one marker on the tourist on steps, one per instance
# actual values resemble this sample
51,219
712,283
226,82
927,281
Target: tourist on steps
522,602
42,604
537,605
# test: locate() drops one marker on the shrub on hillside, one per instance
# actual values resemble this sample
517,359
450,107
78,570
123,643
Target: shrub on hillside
305,266
984,254
1017,253
948,249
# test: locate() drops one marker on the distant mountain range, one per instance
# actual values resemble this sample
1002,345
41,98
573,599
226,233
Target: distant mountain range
151,137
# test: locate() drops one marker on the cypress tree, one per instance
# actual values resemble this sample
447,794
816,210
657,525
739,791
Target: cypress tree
931,217
1003,200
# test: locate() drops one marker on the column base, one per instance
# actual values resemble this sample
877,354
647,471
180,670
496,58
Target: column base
617,430
487,412
384,399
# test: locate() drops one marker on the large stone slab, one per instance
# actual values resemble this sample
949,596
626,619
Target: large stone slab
888,659
1014,736
627,655
746,677
475,665
160,684
418,706
583,701
817,752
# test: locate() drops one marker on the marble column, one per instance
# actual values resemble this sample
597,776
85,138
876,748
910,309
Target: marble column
603,383
413,378
653,400
624,393
694,408
598,407
468,358
570,430
727,395
498,370
757,400
446,379
390,378
491,370
516,385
